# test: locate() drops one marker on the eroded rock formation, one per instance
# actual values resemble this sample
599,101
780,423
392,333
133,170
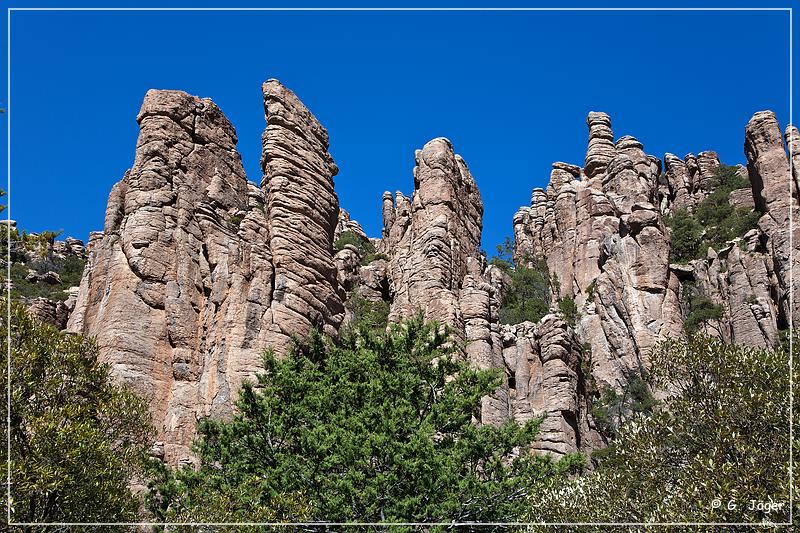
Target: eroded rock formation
432,240
198,271
601,231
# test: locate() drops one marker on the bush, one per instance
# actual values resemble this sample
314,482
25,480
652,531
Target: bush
377,428
371,257
527,296
699,310
569,309
714,222
611,409
373,315
504,260
721,434
77,439
687,234
70,269
366,250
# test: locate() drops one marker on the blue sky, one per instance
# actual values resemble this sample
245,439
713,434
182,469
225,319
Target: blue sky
510,89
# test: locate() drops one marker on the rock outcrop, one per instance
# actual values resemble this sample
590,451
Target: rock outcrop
198,271
302,214
688,180
435,266
604,240
775,194
602,233
430,236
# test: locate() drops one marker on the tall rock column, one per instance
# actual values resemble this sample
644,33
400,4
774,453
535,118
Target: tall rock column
303,210
199,271
178,286
435,265
601,144
775,195
433,235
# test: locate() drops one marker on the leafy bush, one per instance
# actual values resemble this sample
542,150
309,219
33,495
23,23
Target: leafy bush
504,260
611,408
687,234
77,439
372,315
714,222
569,309
527,296
376,428
70,269
366,250
370,257
699,310
721,435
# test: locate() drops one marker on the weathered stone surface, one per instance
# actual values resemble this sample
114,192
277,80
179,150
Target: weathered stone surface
601,144
50,312
767,163
198,271
432,236
689,180
741,198
608,248
543,361
432,240
775,195
49,277
303,213
345,223
740,279
792,137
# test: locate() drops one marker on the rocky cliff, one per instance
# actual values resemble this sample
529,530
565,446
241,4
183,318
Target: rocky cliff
602,232
198,271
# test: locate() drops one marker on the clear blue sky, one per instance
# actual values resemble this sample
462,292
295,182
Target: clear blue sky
510,89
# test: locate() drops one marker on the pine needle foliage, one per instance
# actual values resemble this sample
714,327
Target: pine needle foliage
379,427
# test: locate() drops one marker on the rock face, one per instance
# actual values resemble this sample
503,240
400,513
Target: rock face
775,193
197,270
435,266
430,236
544,362
688,180
604,240
601,232
302,213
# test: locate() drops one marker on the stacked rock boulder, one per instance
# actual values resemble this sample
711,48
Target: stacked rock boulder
435,267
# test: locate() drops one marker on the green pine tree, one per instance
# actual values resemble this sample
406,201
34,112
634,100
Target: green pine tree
380,427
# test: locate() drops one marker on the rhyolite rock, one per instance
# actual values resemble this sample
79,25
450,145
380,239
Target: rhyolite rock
198,271
435,266
775,194
601,232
